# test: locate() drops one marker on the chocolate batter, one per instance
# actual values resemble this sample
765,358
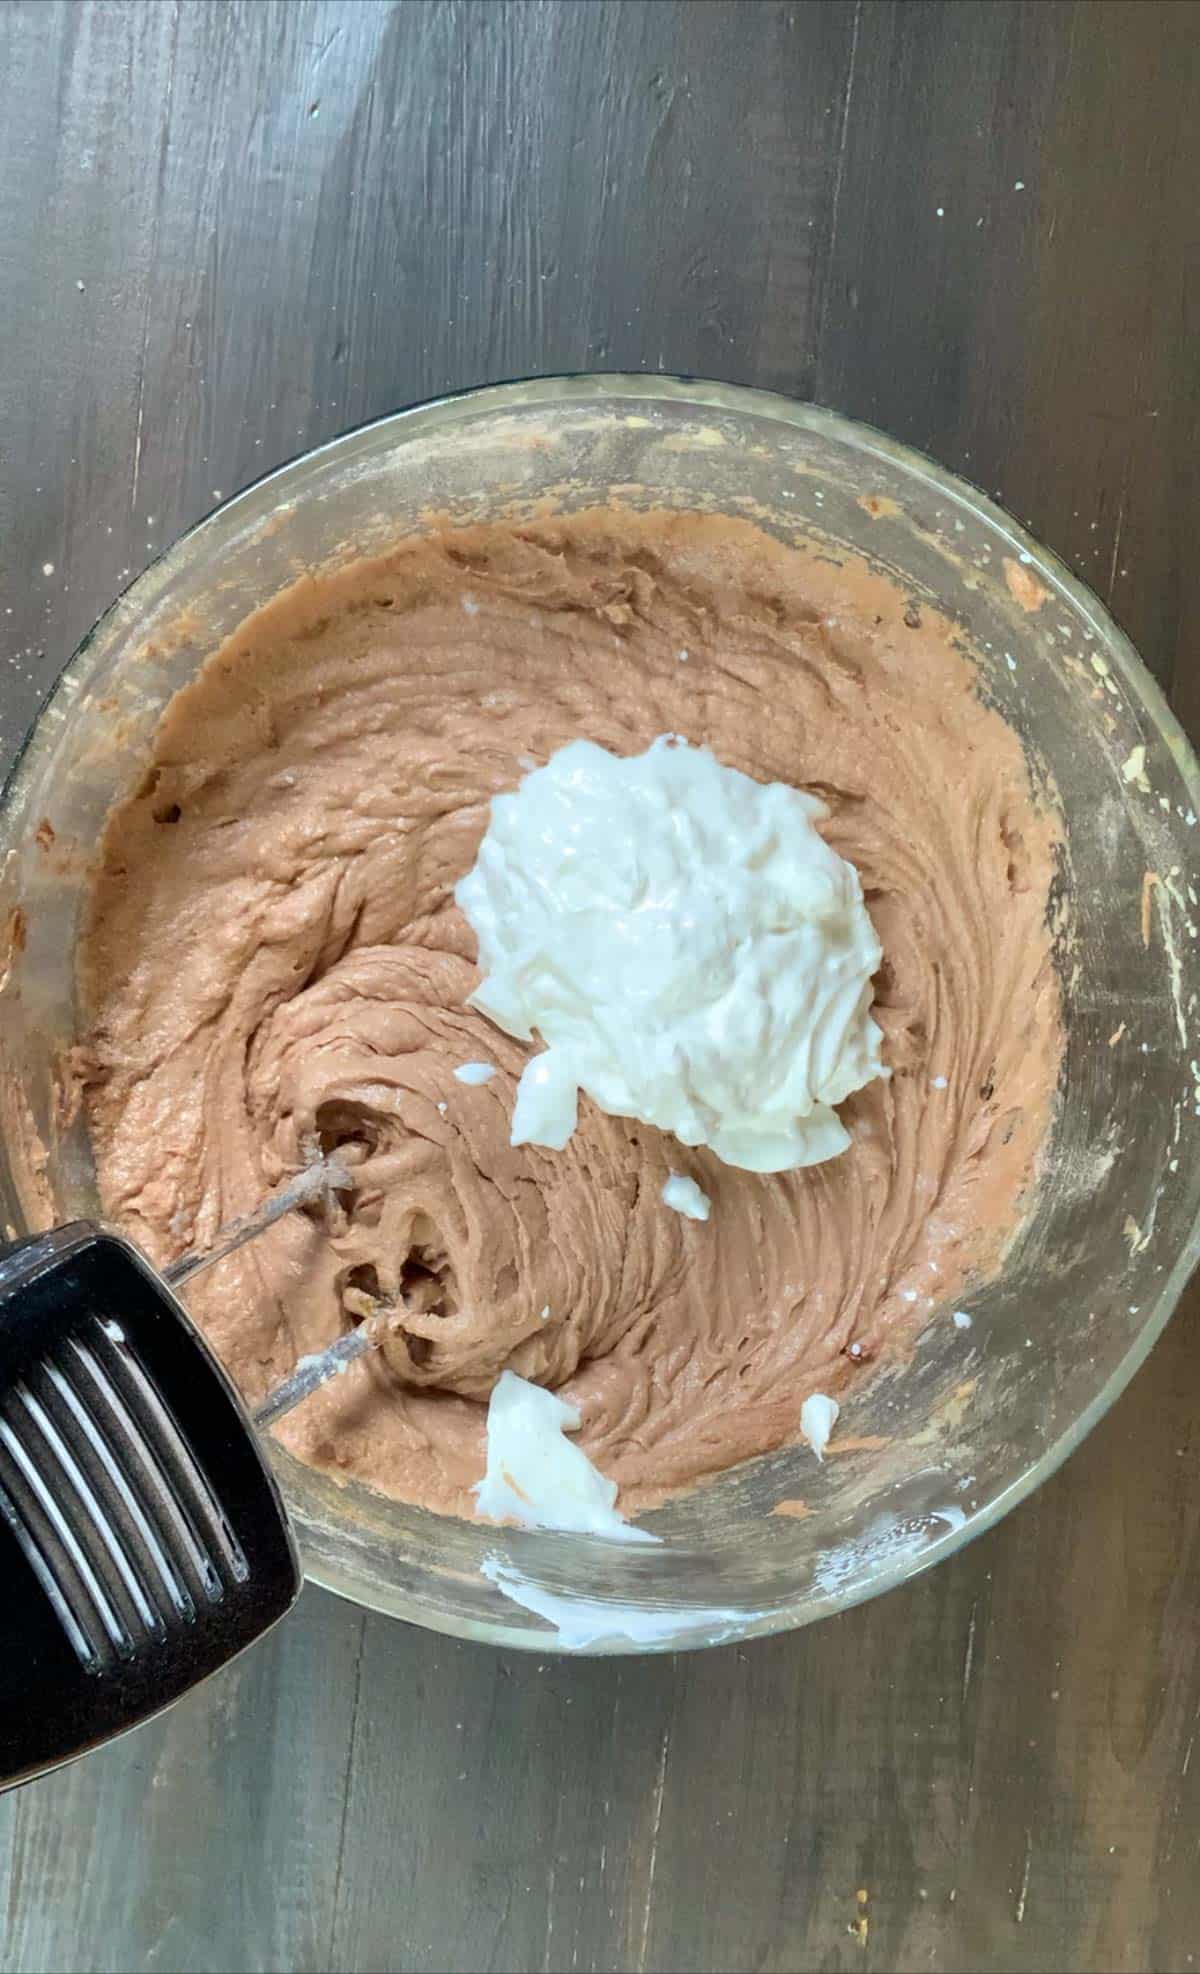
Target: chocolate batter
274,963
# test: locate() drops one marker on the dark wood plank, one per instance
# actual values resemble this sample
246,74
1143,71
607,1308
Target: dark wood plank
289,217
1040,340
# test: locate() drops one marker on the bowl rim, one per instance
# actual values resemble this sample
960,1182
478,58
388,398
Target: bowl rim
545,390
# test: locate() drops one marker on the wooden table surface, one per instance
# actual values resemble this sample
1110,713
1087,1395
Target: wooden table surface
227,232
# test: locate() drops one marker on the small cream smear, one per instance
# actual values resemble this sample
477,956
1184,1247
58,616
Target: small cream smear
583,1622
818,1416
688,947
475,1072
685,1196
535,1476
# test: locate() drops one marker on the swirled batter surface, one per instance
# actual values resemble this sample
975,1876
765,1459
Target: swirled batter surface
274,962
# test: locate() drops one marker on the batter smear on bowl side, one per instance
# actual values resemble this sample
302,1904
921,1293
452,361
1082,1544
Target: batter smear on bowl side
274,963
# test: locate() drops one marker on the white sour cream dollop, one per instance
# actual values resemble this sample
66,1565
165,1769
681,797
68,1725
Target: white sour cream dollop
687,946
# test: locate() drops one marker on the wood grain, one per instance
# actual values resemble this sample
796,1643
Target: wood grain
227,232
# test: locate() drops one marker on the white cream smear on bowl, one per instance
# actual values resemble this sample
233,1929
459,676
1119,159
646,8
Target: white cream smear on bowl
689,949
535,1476
818,1417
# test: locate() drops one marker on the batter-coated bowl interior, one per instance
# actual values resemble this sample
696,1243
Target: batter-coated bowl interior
977,1417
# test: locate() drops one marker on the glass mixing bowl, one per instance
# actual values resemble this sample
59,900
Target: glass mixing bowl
977,1417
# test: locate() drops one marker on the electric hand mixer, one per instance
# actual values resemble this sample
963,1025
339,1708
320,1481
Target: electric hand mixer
143,1541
